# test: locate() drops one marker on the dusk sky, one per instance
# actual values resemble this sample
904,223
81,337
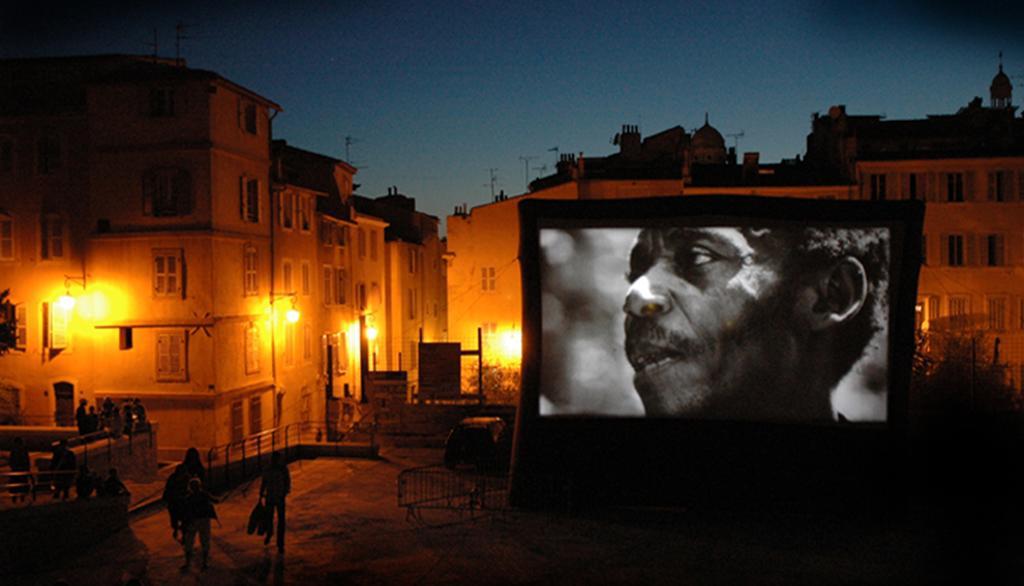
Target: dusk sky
436,94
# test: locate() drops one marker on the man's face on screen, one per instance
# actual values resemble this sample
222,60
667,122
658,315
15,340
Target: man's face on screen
705,314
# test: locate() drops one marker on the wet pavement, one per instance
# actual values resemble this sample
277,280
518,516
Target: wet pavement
345,527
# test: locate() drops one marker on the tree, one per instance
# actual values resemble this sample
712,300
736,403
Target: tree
956,373
8,323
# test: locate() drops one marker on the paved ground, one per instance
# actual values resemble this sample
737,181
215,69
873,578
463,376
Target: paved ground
345,528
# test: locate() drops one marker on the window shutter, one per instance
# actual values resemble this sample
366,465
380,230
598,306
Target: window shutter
241,197
1010,185
59,318
1000,250
992,185
944,250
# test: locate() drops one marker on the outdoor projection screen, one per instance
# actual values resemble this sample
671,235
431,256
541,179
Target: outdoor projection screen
661,316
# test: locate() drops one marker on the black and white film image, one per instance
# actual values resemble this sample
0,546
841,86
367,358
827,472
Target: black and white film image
783,324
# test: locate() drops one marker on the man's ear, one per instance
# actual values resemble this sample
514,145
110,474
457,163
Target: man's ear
839,293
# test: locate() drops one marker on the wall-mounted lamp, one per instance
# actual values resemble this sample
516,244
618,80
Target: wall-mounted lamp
66,301
371,333
292,314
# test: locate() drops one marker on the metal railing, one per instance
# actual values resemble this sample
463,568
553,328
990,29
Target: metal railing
240,459
20,484
105,434
437,487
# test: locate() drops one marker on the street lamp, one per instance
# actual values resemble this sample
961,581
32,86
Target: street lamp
66,301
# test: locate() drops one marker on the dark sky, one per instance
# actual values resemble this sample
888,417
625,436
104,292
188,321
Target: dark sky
434,94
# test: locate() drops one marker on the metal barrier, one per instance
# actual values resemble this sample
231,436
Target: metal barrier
20,484
246,457
105,434
437,487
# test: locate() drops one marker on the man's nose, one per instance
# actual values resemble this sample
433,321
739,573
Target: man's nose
644,300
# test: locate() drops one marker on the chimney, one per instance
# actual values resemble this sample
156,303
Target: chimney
629,140
836,112
750,166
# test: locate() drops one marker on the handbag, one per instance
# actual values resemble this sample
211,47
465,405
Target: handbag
257,519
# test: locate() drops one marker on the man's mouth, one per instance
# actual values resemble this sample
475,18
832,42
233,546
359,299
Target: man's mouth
655,358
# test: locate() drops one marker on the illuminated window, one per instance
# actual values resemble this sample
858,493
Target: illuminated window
52,232
995,250
56,324
997,313
933,309
249,199
48,155
161,102
20,327
305,213
877,187
252,349
955,187
328,281
6,155
167,273
487,278
341,288
171,357
250,264
237,422
304,278
166,192
287,204
287,283
6,237
959,306
955,250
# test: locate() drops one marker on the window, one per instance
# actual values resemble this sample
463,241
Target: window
954,187
489,329
307,343
6,237
361,296
249,117
304,278
912,186
412,303
48,155
362,242
287,204
237,422
958,309
250,264
933,308
998,185
328,273
995,250
997,313
289,344
20,327
55,327
341,288
287,283
252,349
161,102
249,199
373,245
6,156
166,192
343,235
487,278
955,250
877,187
412,260
171,357
305,213
167,273
125,338
326,232
306,405
52,232
255,414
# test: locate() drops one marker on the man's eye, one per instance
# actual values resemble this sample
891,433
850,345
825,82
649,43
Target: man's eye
698,256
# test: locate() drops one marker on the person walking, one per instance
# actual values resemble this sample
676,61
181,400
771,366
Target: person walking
81,415
199,511
274,487
175,491
194,465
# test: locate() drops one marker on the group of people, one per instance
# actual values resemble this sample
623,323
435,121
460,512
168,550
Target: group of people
129,418
191,507
63,472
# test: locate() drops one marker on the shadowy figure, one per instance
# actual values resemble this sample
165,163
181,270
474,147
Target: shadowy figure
86,482
274,487
92,420
80,416
199,511
175,491
113,486
64,464
139,414
20,462
194,465
128,418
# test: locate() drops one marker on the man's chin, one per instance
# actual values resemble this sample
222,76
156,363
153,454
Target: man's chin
672,390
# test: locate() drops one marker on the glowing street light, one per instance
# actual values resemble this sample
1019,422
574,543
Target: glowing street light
371,333
292,315
66,302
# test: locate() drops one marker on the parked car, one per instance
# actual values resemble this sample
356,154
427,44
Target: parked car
483,443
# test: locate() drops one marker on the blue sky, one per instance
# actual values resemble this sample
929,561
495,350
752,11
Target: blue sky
435,94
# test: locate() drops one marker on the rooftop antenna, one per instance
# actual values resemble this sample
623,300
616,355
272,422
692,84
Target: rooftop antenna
155,45
493,171
179,36
554,149
349,141
736,136
526,168
542,170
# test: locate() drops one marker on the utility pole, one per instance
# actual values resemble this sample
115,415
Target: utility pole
526,169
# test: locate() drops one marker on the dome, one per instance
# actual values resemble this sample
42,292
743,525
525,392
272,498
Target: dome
1001,90
707,144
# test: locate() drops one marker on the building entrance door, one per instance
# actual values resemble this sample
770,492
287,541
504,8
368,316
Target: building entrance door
64,404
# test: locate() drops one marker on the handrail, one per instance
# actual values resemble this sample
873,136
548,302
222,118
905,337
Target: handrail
85,439
33,481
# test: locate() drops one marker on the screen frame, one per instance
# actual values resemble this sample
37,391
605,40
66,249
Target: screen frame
554,447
